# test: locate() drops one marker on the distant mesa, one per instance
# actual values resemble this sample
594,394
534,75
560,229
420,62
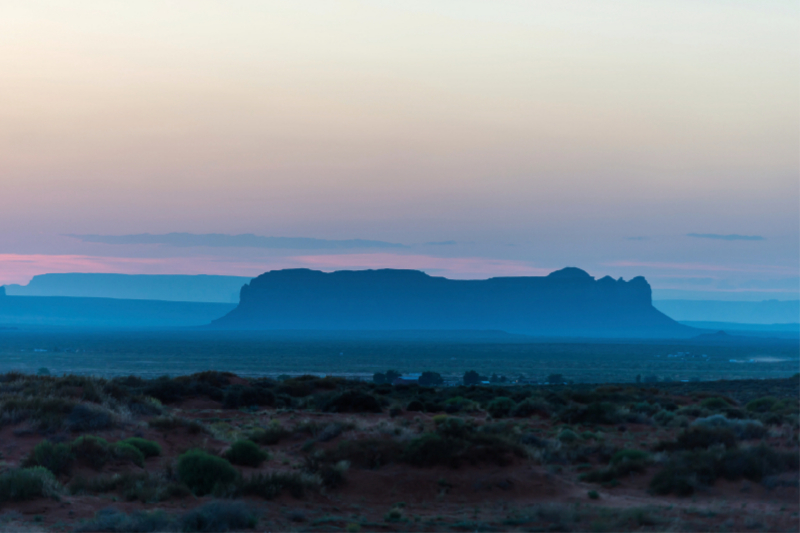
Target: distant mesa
176,288
566,303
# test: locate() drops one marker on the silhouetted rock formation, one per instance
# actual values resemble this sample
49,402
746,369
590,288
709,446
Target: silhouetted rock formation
568,302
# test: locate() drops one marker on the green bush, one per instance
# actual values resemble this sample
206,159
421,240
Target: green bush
128,452
201,471
593,495
148,448
567,436
433,450
415,406
27,483
452,426
500,407
761,405
272,434
57,458
715,404
354,401
742,428
91,450
90,418
240,396
246,453
529,407
688,470
702,437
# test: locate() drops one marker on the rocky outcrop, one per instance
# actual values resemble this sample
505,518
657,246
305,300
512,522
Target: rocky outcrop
567,302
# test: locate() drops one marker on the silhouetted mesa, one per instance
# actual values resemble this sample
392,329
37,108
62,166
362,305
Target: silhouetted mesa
568,302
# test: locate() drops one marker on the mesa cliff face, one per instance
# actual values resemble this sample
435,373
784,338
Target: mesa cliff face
567,302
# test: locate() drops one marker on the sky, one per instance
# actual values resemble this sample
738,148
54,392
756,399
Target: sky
466,138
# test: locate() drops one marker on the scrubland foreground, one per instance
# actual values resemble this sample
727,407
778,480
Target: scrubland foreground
215,452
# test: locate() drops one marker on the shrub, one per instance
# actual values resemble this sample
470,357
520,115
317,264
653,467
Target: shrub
90,418
715,404
246,453
201,471
594,413
452,427
703,437
529,407
272,434
622,463
459,403
123,450
743,429
567,436
57,458
761,405
664,417
629,456
593,495
330,474
500,407
91,450
166,389
219,516
27,483
686,471
112,520
354,401
432,450
148,448
415,405
240,396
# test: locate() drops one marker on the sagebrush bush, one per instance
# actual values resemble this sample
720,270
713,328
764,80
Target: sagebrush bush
567,436
240,396
688,470
92,451
272,434
246,453
761,405
201,471
113,521
452,426
354,401
715,404
500,407
57,458
742,428
27,483
128,452
90,418
148,448
529,407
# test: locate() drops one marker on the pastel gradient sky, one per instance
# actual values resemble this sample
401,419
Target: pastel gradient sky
655,138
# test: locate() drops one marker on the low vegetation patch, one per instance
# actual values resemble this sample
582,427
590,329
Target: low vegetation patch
246,453
202,472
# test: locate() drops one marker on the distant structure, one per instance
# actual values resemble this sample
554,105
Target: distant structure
566,303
